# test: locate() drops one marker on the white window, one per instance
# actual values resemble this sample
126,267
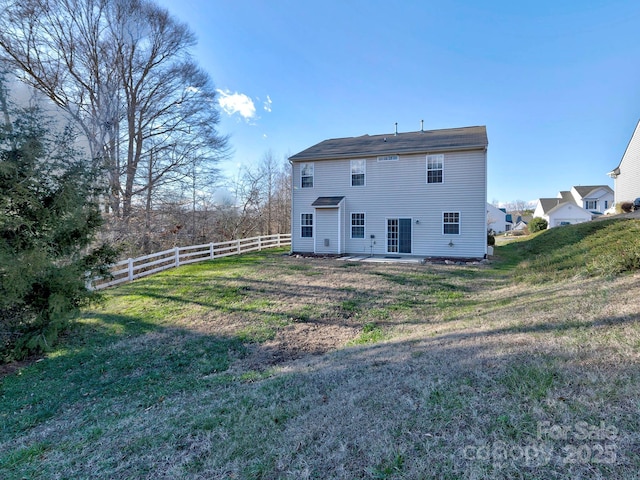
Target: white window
306,225
435,168
451,223
388,158
358,168
591,204
306,175
357,225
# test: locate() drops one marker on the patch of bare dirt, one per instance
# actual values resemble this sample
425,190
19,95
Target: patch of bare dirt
298,341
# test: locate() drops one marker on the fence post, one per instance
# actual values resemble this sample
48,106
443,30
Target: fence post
279,237
130,270
238,246
177,254
260,243
211,254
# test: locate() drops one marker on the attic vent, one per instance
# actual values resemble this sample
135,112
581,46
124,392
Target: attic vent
388,158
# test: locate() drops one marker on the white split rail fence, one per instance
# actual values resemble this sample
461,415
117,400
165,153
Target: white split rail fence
132,268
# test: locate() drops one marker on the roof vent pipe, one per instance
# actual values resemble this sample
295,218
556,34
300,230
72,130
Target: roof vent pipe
396,129
422,125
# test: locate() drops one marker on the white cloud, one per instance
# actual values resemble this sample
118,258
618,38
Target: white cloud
240,103
267,104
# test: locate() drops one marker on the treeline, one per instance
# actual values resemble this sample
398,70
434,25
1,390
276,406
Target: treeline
257,202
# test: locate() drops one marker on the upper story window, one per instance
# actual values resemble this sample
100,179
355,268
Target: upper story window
435,168
357,225
451,223
358,168
389,158
306,175
591,204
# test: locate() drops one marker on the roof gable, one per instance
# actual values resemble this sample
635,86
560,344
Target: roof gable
424,141
548,204
587,190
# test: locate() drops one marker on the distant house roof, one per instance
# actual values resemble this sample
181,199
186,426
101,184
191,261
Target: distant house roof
548,204
585,190
465,138
327,201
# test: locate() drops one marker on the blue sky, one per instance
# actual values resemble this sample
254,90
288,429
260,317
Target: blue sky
557,84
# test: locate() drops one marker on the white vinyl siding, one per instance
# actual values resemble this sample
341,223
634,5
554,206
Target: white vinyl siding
627,183
327,231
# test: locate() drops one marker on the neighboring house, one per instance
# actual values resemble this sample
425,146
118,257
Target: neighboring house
561,211
498,219
580,204
417,193
626,176
596,198
520,225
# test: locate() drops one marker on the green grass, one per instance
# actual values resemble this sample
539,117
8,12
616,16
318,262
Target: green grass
268,366
603,248
371,333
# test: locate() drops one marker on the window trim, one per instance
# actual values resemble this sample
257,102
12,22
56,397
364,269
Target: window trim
439,156
444,223
363,226
312,176
364,172
304,225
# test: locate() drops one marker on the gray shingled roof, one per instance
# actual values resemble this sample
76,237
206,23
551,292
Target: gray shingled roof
327,202
585,190
465,138
549,203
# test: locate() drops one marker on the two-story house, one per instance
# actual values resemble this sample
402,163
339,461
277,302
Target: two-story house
416,193
595,198
626,176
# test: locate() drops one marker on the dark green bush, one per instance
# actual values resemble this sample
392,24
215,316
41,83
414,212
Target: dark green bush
537,224
48,218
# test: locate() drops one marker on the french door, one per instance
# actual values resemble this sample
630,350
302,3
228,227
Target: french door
398,235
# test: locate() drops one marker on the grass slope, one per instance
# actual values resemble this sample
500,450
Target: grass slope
603,248
268,366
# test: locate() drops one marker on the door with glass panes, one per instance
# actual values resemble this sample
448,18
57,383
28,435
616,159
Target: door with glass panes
398,235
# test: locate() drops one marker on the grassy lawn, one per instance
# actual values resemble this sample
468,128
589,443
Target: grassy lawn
267,366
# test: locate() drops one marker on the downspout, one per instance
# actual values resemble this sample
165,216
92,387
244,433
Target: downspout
291,213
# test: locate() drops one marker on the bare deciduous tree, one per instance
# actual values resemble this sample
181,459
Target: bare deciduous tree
122,70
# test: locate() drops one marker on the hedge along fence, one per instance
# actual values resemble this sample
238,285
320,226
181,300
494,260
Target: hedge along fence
132,268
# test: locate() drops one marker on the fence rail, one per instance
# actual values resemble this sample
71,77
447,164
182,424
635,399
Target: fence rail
132,268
